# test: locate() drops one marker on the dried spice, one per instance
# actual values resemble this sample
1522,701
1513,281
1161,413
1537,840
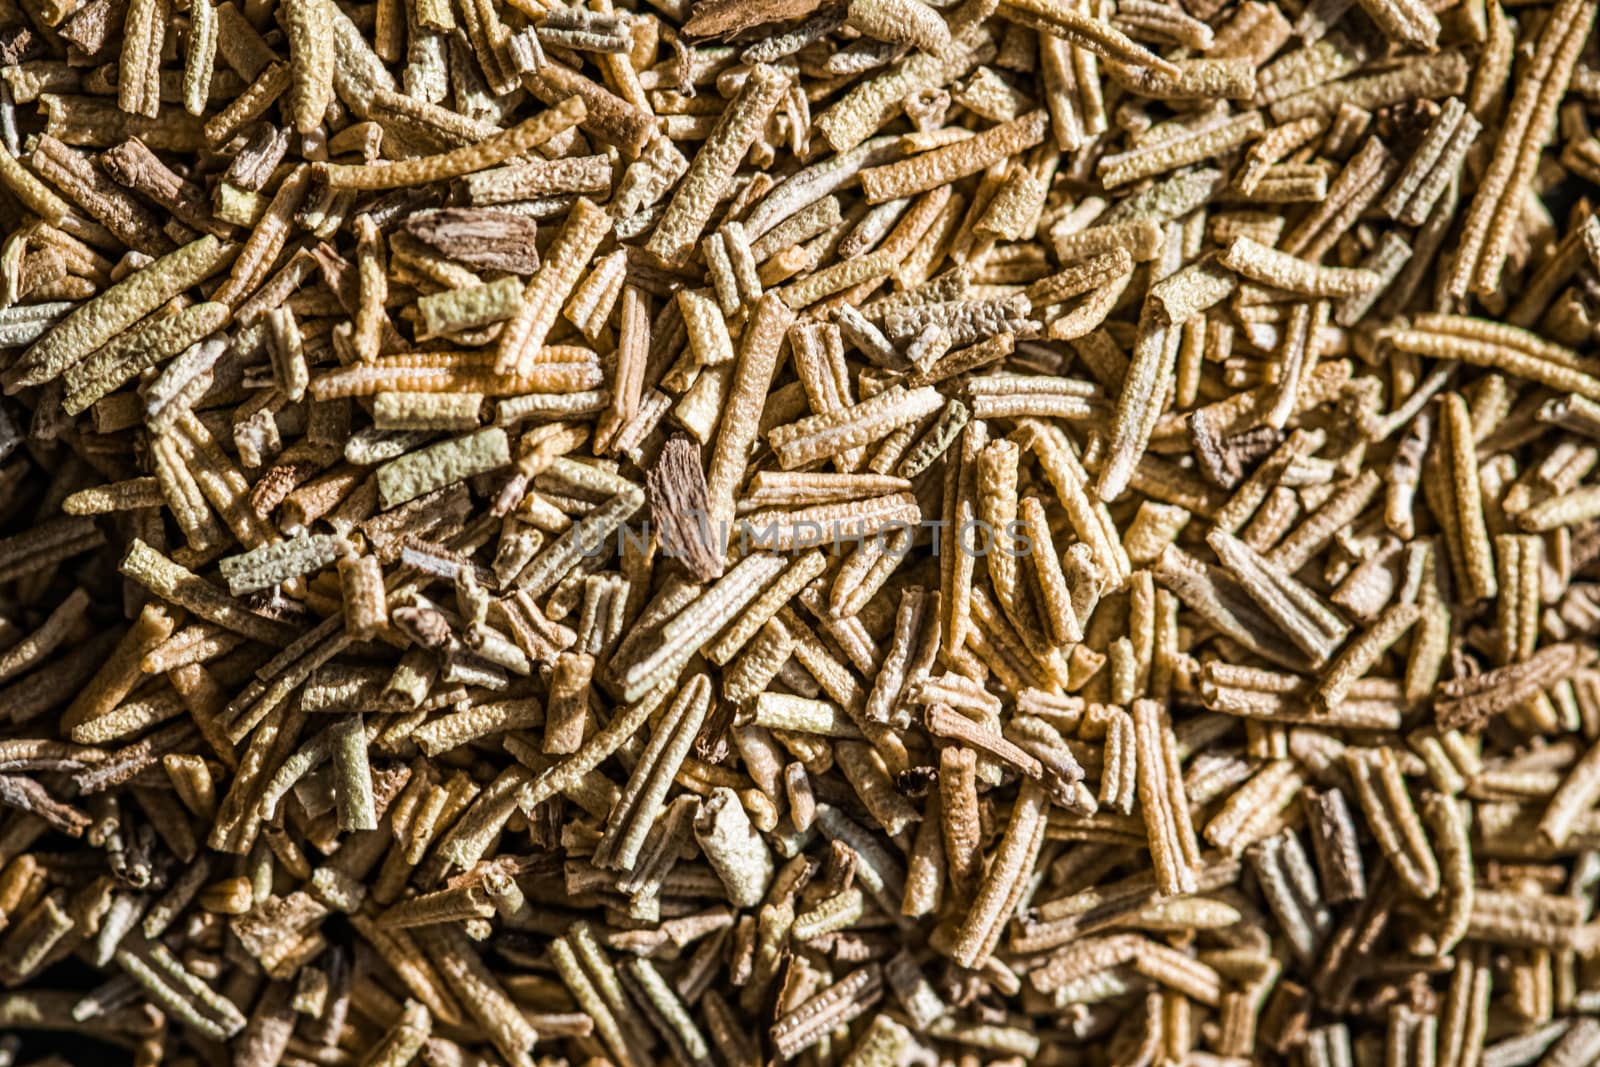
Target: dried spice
729,532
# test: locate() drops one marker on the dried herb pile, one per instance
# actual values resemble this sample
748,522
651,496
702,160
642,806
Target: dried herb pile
421,419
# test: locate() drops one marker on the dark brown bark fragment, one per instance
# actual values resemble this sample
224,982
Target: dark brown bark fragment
678,508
